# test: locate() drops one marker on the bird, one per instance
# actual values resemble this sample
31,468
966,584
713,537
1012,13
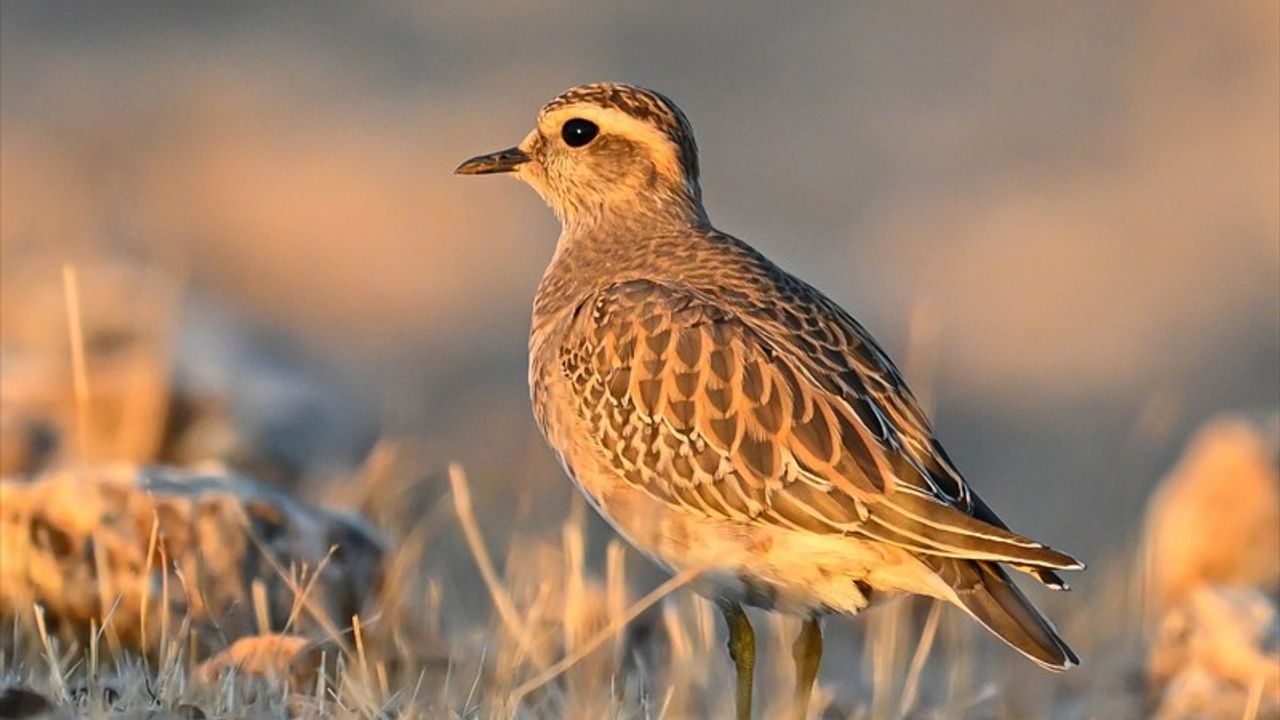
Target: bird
725,416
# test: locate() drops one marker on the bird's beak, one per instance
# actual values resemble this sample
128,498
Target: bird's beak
503,161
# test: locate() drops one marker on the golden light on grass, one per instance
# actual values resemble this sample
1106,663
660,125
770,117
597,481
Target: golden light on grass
50,656
615,625
501,599
79,371
144,584
911,687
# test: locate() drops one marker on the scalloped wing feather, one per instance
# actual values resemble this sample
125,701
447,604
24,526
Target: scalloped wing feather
804,424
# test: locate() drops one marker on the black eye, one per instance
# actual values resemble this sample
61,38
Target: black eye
578,132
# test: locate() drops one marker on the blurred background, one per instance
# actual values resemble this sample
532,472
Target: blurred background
1061,219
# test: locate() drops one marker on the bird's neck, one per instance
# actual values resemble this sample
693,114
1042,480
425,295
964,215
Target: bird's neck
628,212
613,249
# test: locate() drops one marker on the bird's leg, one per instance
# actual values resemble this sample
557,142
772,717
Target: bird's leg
742,649
807,651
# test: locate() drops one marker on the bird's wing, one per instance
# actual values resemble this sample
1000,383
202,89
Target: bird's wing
795,426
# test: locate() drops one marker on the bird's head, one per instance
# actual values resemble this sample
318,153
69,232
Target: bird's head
604,152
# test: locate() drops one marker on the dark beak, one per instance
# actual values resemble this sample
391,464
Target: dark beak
503,161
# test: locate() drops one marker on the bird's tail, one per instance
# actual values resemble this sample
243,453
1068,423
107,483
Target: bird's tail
985,591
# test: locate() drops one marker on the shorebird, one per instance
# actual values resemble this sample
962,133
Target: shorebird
722,414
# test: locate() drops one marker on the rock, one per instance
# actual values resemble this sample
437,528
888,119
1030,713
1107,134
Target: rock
1213,652
256,402
171,378
187,711
127,318
18,703
1215,520
26,443
1213,570
273,657
74,541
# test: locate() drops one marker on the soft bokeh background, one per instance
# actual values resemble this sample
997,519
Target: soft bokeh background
1061,218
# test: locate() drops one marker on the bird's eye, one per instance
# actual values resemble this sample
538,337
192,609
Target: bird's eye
578,132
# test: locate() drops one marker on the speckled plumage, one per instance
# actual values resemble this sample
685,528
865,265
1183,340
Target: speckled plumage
719,410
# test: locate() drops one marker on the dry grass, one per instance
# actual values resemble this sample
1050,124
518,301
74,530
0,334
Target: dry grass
560,621
568,635
671,665
574,640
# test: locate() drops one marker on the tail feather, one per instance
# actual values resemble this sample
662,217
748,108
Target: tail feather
932,527
985,591
1048,578
982,511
